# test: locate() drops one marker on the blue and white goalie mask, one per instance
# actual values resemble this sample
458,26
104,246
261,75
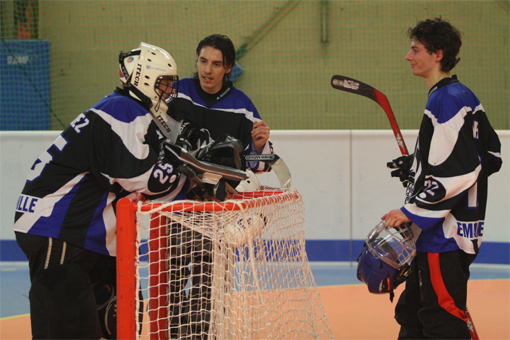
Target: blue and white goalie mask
384,262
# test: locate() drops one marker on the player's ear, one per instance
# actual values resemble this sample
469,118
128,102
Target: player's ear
229,68
439,55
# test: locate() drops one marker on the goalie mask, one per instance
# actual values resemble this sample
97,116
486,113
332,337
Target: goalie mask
151,74
385,260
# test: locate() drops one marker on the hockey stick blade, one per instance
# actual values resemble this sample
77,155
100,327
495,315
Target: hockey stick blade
277,164
202,168
347,84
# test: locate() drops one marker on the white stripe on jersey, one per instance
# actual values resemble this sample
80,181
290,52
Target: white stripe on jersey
109,221
45,205
445,136
132,134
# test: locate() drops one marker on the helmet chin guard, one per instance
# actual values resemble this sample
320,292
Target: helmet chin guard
385,260
143,70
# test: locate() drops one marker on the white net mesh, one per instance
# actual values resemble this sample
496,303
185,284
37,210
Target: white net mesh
231,270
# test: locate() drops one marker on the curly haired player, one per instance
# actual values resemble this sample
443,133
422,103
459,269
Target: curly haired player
456,151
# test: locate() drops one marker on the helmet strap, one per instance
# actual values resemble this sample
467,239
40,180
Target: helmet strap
146,101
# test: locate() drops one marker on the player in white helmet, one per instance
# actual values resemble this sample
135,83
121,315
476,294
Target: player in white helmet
150,73
108,152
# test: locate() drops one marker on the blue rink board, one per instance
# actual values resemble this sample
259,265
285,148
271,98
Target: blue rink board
318,251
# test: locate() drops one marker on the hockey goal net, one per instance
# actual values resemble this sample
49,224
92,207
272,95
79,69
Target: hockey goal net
207,270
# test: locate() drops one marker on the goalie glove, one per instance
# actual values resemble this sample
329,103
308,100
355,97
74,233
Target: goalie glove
191,137
403,166
226,152
211,169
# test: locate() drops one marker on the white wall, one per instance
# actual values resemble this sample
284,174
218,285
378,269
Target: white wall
346,186
342,176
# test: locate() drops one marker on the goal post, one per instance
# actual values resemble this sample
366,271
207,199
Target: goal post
126,279
236,269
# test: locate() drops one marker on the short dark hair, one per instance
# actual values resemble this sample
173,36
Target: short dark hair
438,34
224,44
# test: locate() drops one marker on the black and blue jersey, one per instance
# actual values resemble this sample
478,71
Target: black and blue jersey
106,153
456,151
229,111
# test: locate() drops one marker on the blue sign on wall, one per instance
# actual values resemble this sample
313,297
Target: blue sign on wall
25,85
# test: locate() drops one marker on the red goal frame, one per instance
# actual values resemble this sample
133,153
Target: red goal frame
127,249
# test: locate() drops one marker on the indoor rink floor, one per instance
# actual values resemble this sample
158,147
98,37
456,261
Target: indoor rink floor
353,312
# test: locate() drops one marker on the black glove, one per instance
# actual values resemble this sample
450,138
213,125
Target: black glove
403,166
210,168
191,137
225,151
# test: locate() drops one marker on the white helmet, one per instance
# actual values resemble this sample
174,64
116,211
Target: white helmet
143,70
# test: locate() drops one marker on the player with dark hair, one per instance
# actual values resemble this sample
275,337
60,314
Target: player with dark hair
210,107
435,35
221,43
456,151
210,102
65,217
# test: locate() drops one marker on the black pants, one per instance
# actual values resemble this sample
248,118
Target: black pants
433,304
63,279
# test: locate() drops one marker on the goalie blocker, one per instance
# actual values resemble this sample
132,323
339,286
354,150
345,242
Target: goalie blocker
213,169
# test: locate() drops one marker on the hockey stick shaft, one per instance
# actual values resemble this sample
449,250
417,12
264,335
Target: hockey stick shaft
347,84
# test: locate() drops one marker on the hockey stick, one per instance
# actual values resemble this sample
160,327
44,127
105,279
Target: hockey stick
277,164
201,173
169,127
206,169
355,86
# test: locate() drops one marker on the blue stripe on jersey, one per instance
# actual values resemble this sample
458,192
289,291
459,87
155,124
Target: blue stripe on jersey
188,87
458,96
120,107
237,100
50,226
96,235
425,223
